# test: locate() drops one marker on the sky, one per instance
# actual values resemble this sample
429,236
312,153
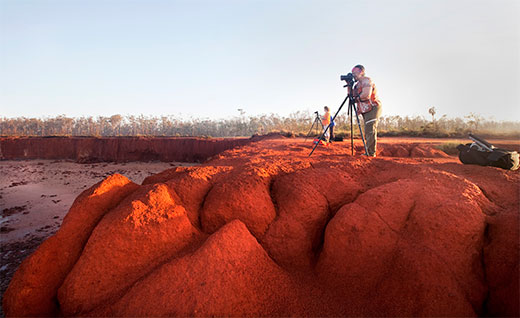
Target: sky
207,59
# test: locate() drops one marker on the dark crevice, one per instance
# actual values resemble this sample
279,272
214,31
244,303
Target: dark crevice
484,192
412,208
201,206
388,225
320,239
487,210
331,214
273,198
276,209
484,311
270,190
316,253
409,214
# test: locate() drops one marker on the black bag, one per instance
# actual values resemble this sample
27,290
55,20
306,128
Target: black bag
501,158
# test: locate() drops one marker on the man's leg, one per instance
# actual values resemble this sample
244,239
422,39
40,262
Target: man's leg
371,118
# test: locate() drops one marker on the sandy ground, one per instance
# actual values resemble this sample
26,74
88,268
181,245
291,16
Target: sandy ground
35,195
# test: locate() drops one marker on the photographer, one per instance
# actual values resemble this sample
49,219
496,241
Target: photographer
368,104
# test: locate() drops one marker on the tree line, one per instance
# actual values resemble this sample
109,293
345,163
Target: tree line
297,123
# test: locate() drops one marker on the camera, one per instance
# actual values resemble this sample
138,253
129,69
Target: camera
349,78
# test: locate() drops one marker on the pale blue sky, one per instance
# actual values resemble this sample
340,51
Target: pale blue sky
206,59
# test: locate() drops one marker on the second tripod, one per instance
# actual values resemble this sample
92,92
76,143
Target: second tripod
317,123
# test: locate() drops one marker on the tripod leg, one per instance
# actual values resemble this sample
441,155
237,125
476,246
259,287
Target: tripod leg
314,122
351,131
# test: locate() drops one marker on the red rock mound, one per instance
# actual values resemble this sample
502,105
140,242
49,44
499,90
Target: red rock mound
415,235
144,230
239,196
267,231
230,275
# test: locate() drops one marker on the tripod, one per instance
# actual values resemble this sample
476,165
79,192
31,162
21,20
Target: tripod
351,110
317,122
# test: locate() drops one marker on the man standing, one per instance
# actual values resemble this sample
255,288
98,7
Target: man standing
368,104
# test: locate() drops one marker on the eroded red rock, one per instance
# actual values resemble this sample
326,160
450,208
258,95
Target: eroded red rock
306,200
147,228
394,237
265,230
229,275
244,196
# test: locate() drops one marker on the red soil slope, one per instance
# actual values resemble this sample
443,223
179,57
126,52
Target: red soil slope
264,230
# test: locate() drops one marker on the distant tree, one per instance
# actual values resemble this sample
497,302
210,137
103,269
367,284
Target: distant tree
432,112
115,122
474,120
67,124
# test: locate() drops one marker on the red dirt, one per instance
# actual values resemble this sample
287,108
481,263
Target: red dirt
264,230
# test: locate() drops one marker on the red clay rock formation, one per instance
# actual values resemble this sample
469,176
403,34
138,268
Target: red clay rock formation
306,199
230,275
143,231
417,235
239,196
191,184
502,237
265,230
501,256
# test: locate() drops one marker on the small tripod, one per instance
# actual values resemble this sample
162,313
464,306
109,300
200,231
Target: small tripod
317,122
351,110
